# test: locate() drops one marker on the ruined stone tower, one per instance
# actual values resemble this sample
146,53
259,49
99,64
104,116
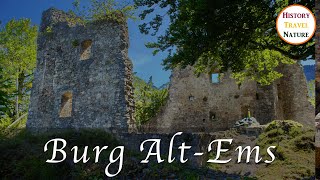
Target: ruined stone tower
83,76
202,104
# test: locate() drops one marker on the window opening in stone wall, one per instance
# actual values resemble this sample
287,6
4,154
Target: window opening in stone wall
86,49
66,105
257,96
205,99
216,78
212,116
191,98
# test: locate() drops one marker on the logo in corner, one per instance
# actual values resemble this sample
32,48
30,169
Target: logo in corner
296,24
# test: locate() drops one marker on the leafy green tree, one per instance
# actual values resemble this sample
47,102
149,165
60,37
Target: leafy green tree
17,58
5,97
236,35
148,100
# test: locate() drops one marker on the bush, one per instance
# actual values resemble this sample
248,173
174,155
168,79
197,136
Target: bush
285,125
148,100
305,141
5,122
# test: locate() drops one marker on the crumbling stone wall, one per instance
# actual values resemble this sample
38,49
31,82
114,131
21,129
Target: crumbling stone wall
83,76
293,101
196,104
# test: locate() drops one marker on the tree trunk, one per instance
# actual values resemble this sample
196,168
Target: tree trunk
17,98
19,88
21,80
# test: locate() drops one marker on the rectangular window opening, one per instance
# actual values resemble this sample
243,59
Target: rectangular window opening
191,98
212,116
216,78
85,49
66,105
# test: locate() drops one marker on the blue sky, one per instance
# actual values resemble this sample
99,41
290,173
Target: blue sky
145,64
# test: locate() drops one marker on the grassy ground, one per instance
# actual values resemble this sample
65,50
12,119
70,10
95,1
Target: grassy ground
294,153
22,155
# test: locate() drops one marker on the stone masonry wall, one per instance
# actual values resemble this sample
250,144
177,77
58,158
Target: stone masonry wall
83,76
196,104
293,101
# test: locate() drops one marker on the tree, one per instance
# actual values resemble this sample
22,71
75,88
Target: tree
17,61
148,99
236,35
5,97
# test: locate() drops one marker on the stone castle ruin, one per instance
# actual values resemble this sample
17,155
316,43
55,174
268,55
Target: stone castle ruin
83,76
203,104
83,79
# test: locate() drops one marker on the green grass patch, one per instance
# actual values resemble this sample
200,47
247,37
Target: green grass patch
294,152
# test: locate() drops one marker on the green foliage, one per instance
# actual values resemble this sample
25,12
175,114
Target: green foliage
17,62
48,32
223,34
5,121
312,92
6,87
294,152
98,10
286,125
260,66
18,47
75,43
148,99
